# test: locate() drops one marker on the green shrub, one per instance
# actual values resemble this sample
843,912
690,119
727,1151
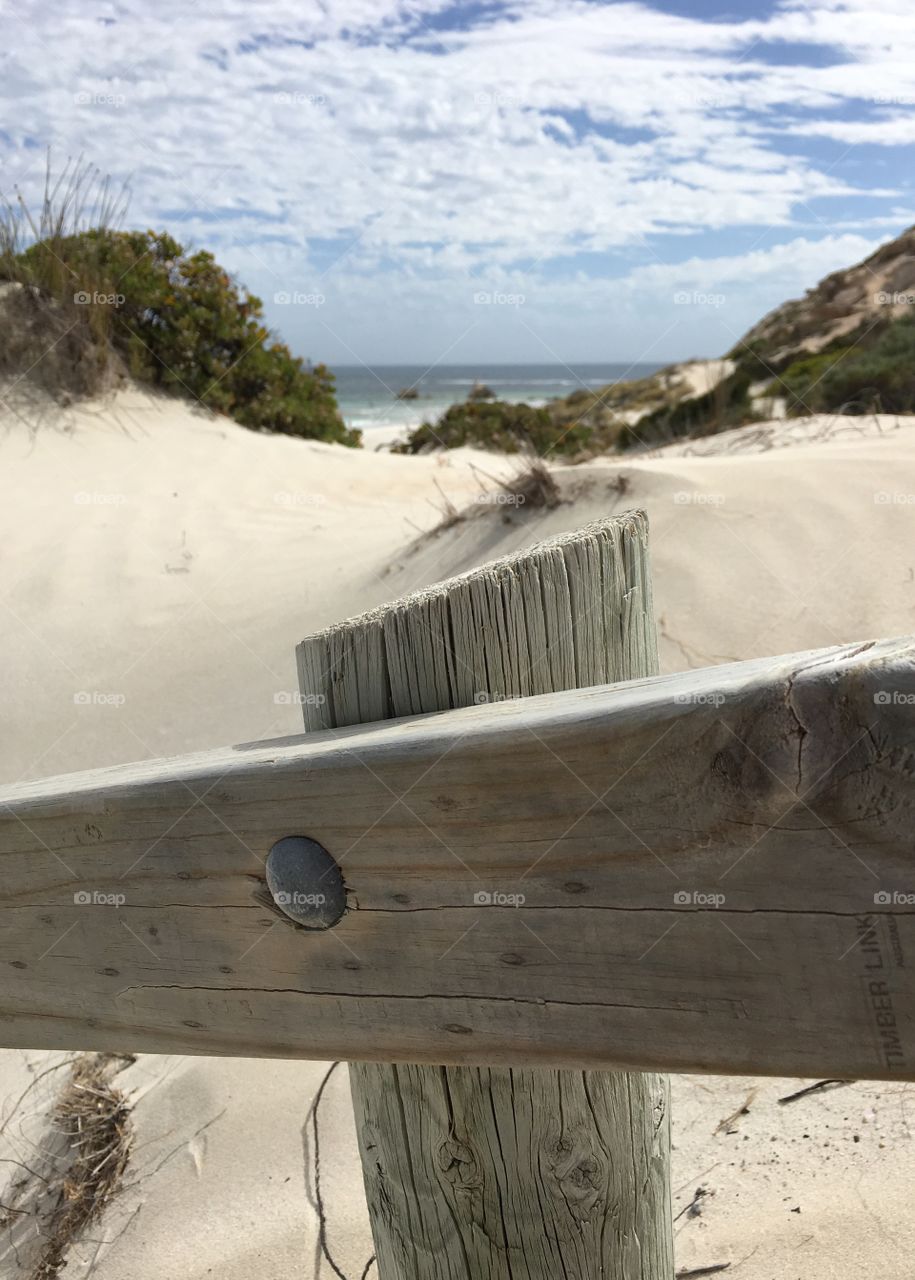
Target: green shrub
879,377
802,382
136,301
180,323
756,360
494,424
770,358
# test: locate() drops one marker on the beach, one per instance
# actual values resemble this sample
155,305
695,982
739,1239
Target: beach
161,564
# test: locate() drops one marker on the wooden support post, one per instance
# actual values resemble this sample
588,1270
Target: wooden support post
505,1173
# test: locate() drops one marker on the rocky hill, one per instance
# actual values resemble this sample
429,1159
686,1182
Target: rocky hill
847,346
845,304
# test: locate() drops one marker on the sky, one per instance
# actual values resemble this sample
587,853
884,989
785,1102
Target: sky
417,181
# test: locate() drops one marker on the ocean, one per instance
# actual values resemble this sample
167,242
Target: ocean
368,395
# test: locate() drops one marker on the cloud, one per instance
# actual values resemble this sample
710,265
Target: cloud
413,142
639,314
893,131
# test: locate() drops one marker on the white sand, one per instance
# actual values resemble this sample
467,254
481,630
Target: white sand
173,560
702,376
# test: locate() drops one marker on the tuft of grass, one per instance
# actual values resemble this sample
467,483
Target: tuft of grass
57,328
48,1208
533,487
94,1118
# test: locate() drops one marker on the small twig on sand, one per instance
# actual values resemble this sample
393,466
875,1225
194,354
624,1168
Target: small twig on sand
478,471
713,1270
743,1110
694,1208
450,516
811,1088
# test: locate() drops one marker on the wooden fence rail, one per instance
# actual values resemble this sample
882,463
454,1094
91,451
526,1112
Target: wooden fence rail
706,872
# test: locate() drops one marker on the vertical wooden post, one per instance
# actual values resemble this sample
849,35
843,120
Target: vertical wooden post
506,1174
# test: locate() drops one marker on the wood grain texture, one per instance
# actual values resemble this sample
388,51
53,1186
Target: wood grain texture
573,611
497,1172
785,784
516,1174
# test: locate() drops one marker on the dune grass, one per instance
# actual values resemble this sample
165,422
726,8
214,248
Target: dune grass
57,329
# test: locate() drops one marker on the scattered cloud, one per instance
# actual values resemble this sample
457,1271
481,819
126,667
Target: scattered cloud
395,153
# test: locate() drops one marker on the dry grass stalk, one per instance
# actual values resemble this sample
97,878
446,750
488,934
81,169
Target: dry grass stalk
534,486
94,1119
56,322
86,1153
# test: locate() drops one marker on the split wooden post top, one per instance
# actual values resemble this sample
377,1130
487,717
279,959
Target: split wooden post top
568,613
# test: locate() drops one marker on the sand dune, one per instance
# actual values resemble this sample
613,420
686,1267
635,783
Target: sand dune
159,566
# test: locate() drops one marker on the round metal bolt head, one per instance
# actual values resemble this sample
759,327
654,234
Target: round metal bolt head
306,883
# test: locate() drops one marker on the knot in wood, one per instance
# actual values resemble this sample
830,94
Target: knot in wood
459,1165
581,1175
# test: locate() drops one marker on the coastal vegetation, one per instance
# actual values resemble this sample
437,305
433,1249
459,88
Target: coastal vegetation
498,425
727,404
640,413
875,376
86,305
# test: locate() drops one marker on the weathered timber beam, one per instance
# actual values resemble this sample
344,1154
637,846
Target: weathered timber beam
709,872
